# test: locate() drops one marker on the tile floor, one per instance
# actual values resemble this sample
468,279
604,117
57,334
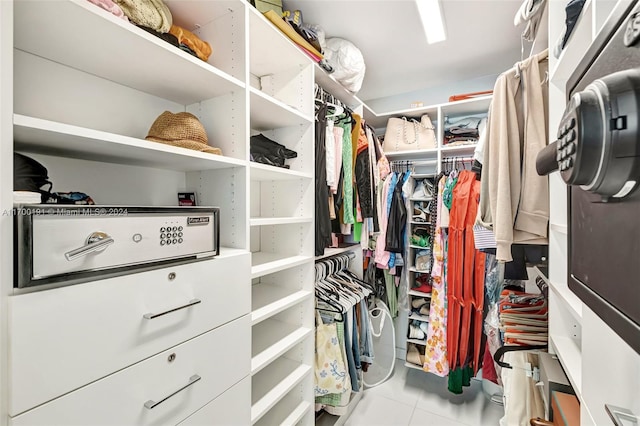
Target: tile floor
413,398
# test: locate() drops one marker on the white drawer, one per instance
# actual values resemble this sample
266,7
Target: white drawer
220,358
229,409
64,338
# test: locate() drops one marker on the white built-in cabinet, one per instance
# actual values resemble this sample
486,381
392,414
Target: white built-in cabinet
601,367
79,90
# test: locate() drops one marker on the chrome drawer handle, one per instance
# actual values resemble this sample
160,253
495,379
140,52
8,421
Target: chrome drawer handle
152,404
191,303
97,241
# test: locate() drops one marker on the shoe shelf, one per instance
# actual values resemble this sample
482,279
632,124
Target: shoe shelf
270,339
271,384
420,154
414,246
418,317
44,29
413,222
54,138
417,341
412,365
419,293
269,300
414,269
417,199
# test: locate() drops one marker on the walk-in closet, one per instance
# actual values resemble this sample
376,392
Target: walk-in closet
288,212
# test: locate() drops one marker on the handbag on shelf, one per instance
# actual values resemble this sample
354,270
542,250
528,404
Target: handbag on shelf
404,134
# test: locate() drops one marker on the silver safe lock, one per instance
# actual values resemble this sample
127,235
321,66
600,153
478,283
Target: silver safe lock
597,146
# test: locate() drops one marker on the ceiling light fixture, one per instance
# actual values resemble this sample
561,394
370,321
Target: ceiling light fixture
432,20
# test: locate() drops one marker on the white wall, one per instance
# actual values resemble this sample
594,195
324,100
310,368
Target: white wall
432,95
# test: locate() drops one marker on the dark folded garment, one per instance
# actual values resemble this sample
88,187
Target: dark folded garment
261,143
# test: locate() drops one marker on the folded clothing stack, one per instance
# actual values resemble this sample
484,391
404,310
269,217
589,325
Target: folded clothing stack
266,151
463,131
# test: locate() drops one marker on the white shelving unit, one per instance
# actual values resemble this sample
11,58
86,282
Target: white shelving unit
95,144
281,226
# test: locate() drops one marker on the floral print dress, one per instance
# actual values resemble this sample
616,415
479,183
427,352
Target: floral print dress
435,360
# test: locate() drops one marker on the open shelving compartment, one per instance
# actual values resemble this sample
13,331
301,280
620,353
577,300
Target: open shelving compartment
281,228
285,378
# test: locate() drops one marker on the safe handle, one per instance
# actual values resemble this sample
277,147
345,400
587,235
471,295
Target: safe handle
97,241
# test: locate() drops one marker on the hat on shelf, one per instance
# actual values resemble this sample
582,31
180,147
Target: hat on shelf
148,13
182,129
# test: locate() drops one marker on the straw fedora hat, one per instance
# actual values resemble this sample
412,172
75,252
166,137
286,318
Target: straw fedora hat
183,130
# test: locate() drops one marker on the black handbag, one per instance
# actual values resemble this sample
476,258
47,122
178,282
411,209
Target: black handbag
30,175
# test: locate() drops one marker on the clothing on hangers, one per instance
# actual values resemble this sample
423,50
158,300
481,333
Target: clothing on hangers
514,200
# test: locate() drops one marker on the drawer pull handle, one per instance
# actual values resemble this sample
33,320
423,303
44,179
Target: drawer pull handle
191,303
152,404
97,241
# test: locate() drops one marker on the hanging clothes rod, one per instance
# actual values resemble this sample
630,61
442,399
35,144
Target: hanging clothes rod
414,163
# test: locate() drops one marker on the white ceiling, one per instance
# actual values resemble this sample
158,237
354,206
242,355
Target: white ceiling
481,40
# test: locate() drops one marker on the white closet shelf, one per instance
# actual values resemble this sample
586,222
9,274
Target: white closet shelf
420,199
270,339
264,263
569,299
190,15
261,221
563,229
332,251
45,29
570,356
267,47
415,222
227,252
268,113
451,151
264,172
268,300
422,318
413,246
412,365
285,415
479,105
417,342
419,293
272,384
49,137
418,154
331,85
422,175
414,269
